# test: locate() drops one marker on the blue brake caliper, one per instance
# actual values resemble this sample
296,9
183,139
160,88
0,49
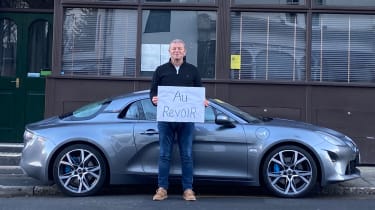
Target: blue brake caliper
276,168
68,169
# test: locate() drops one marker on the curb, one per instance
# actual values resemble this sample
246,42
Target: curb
14,191
348,191
11,191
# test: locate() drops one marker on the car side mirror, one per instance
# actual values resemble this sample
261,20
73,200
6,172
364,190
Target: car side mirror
224,120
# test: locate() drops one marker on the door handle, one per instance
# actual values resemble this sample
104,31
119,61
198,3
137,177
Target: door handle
149,132
17,81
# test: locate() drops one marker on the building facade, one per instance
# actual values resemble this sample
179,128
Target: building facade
309,60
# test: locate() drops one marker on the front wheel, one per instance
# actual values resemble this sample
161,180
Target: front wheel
289,171
79,170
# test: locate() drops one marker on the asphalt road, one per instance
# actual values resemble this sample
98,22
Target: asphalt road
175,202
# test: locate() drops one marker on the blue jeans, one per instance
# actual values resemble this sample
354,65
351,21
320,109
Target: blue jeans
184,131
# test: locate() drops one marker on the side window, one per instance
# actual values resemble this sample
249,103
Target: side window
131,112
209,116
149,109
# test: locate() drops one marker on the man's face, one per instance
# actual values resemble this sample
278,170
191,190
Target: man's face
177,51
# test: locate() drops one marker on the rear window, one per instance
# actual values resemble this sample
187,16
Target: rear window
86,112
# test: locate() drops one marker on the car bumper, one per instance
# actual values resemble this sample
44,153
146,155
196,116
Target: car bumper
339,164
35,158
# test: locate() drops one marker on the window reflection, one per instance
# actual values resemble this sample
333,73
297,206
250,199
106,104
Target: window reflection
184,1
282,2
34,4
8,50
198,32
344,3
40,45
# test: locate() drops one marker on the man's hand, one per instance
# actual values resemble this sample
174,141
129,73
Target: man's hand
206,102
155,100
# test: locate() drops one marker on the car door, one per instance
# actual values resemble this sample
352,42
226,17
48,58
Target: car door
217,151
146,137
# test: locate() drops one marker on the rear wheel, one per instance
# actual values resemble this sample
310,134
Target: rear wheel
289,171
79,170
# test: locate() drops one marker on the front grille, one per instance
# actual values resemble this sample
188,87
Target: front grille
352,166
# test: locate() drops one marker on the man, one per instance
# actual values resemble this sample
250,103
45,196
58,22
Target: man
177,72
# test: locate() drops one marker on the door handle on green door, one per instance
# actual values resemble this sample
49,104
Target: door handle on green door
17,81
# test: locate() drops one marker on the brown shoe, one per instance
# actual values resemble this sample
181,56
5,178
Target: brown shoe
189,195
160,194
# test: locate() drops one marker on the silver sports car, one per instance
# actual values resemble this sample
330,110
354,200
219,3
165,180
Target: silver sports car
115,141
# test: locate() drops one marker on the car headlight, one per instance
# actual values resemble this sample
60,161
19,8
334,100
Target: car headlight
30,136
331,139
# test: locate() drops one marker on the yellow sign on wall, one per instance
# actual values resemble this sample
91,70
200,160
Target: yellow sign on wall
235,62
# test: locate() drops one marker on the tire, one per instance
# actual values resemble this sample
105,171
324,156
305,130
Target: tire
289,172
79,170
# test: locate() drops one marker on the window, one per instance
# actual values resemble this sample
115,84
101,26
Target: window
268,46
185,1
8,50
86,112
343,48
345,3
34,4
40,45
149,109
99,42
130,1
198,31
209,115
158,21
139,110
132,112
278,2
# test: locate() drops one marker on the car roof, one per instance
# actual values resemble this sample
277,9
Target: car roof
118,102
132,94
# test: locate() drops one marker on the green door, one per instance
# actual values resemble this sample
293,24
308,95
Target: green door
25,58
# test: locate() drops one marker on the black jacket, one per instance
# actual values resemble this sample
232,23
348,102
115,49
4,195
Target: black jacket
166,75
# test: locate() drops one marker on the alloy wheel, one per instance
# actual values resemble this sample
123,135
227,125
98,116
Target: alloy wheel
290,172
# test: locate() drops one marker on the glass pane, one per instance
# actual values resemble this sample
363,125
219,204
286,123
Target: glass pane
345,2
132,113
130,1
209,115
40,45
278,2
149,109
268,46
343,48
8,50
34,4
99,42
199,33
185,1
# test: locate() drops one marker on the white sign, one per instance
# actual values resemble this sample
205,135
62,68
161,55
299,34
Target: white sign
180,104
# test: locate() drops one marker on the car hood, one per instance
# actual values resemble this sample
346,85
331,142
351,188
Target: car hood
301,125
46,123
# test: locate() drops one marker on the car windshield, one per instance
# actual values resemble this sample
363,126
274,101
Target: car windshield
85,112
236,111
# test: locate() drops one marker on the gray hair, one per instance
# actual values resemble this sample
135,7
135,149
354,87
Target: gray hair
177,41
